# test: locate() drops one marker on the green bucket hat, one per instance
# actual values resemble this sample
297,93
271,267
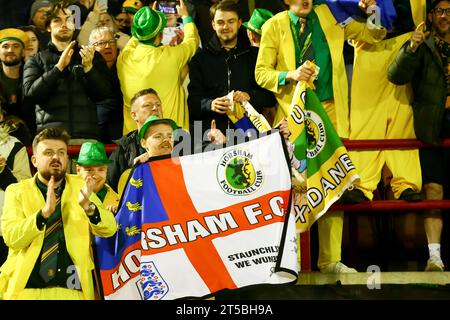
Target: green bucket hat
92,154
147,24
258,18
152,120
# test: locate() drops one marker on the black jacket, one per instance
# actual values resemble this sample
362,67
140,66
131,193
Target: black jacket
21,108
110,111
128,148
66,99
122,157
424,69
214,72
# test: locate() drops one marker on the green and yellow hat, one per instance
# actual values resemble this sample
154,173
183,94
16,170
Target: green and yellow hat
147,24
14,34
153,120
132,6
258,18
92,154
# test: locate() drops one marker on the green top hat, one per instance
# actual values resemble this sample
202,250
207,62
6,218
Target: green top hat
147,24
258,18
92,154
152,120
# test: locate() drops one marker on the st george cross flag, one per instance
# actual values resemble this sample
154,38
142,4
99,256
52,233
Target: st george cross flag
345,10
329,170
194,225
245,117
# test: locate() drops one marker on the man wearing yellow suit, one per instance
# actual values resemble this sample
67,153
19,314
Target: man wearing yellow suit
288,40
145,63
47,222
382,110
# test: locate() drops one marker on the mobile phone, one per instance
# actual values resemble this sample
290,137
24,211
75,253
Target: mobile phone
105,2
168,6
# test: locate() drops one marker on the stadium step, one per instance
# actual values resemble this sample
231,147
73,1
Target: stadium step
367,278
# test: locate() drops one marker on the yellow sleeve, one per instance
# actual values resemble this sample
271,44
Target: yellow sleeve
360,31
107,226
265,71
186,50
123,182
125,52
18,230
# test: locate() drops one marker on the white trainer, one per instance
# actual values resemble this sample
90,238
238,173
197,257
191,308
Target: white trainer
337,267
434,264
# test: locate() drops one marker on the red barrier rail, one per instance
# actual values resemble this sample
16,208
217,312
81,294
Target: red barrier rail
392,205
391,144
75,149
377,205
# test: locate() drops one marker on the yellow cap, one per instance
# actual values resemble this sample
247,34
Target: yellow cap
14,34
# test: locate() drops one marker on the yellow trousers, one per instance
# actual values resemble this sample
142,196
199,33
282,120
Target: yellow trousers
382,110
330,225
54,293
375,116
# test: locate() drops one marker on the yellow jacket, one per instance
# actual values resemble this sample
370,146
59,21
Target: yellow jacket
22,201
141,66
372,81
277,54
123,181
111,198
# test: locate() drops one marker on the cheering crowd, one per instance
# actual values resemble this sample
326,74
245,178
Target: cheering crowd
142,74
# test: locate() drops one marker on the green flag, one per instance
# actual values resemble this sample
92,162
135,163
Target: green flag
329,170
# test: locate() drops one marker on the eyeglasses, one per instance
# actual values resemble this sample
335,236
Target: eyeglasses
152,105
440,11
102,44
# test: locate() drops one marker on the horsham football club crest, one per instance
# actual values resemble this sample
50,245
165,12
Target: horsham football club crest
315,133
239,173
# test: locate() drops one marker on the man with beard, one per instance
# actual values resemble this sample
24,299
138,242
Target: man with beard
47,222
130,7
12,46
225,64
200,11
424,62
65,81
